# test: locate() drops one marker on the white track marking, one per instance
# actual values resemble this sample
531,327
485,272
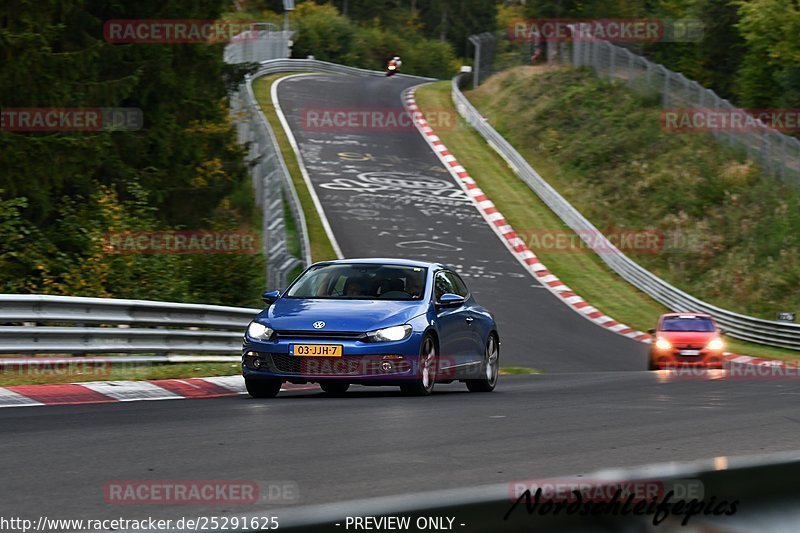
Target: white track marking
13,399
293,142
232,383
128,391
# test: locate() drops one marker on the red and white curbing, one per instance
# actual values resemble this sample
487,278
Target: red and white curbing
507,235
520,250
126,391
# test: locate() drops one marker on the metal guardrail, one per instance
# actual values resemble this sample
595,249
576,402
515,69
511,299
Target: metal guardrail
315,65
773,333
273,187
206,328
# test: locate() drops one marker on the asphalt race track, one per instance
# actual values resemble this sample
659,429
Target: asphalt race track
57,460
385,194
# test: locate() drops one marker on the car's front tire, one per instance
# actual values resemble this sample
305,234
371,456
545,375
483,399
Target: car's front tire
490,367
334,387
426,369
263,388
651,365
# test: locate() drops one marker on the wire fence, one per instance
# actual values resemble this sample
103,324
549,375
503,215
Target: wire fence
776,153
261,43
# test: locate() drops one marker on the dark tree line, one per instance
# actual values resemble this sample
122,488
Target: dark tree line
62,190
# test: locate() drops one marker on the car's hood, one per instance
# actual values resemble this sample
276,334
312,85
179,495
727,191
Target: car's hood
339,315
688,337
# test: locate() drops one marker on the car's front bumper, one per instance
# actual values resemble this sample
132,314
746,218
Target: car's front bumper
360,362
666,359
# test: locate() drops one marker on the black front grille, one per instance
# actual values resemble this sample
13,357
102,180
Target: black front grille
317,334
332,366
335,366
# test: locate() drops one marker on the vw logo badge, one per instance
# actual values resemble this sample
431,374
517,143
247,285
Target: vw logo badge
319,325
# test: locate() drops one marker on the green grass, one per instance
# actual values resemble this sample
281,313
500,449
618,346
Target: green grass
76,373
321,248
584,272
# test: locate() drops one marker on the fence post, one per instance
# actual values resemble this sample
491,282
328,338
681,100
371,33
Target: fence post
665,89
784,162
612,60
476,69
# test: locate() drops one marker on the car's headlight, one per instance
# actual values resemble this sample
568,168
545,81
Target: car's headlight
259,331
394,333
715,344
663,344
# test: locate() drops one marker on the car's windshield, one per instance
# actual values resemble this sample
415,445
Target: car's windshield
685,323
360,282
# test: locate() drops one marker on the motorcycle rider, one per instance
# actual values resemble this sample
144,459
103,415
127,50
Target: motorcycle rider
396,62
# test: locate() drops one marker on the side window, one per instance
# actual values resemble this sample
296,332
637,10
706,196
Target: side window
459,287
442,285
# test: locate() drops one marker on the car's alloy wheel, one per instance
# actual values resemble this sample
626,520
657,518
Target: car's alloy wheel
490,370
334,387
426,372
263,388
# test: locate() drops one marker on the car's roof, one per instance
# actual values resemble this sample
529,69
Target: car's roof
385,261
693,315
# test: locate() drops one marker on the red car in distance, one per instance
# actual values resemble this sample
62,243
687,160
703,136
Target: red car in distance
686,339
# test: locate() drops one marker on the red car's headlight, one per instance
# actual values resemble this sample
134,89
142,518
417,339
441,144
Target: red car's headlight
715,344
663,344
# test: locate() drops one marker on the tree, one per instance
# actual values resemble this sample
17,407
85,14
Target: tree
770,72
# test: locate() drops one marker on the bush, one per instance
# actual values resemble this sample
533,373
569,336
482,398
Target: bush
328,36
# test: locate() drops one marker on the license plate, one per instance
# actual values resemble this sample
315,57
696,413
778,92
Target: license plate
316,350
690,352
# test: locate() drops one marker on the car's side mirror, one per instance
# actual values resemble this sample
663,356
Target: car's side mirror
722,331
270,297
450,300
651,331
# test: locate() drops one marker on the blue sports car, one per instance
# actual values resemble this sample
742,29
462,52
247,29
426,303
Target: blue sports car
372,322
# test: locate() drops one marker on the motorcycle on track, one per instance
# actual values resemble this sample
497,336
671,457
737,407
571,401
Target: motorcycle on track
394,66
